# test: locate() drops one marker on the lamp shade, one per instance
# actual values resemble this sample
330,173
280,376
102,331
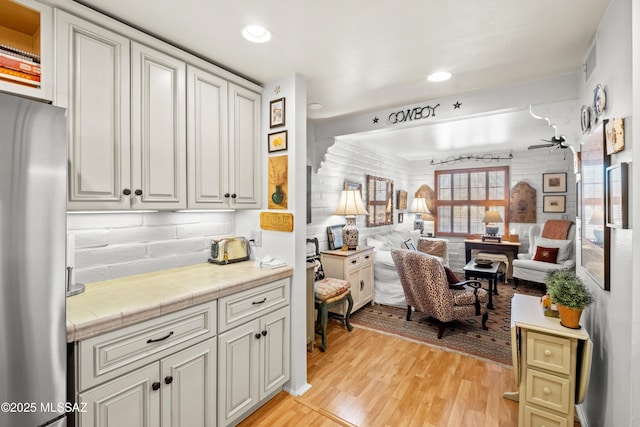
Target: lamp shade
597,218
351,204
419,205
492,216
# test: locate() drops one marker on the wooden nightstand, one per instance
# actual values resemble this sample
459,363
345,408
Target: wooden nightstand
356,267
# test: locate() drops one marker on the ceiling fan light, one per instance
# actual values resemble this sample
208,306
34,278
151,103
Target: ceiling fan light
439,76
256,33
315,106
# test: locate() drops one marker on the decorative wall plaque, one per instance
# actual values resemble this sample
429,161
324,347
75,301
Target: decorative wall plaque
523,203
276,221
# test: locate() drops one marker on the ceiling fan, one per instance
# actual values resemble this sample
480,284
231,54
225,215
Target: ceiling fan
555,142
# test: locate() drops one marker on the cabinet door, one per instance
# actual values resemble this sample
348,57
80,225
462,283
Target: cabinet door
274,351
127,401
353,277
366,283
207,140
158,164
244,139
189,387
92,82
238,353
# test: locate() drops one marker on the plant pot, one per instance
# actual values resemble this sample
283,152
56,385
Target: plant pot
569,317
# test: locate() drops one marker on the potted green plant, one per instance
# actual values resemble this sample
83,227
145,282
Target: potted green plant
570,295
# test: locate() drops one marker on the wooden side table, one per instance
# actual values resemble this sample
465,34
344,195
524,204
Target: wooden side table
551,365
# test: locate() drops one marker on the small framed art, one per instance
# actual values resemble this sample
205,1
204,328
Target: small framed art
277,113
401,199
334,235
617,196
554,182
554,204
277,141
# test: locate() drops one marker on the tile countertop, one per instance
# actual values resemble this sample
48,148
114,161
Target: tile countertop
113,304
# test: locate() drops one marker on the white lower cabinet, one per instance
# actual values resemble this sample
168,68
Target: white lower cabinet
176,391
253,356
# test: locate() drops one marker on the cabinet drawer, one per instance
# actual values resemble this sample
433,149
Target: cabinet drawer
106,356
366,258
352,262
247,305
534,417
547,390
549,352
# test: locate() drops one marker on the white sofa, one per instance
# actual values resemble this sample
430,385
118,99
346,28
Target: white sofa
388,289
526,268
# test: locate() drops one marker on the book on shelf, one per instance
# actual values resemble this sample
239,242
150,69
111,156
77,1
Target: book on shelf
19,53
18,64
17,76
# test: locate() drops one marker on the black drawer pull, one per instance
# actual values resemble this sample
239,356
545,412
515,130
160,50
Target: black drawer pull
259,302
354,261
264,333
155,386
149,341
168,379
366,257
257,336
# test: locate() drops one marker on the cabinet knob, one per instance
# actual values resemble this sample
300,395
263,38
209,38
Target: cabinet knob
138,192
168,379
354,261
233,196
361,284
546,390
155,386
258,336
547,352
126,192
227,195
264,333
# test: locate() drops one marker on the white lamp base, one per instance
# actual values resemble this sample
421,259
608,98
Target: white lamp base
350,233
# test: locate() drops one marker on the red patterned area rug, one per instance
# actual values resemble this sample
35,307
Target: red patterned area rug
465,336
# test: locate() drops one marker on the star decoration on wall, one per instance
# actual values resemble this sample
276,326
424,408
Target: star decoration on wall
457,105
277,90
375,120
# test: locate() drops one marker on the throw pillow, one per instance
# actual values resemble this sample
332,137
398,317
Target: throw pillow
432,247
546,254
378,245
564,247
451,277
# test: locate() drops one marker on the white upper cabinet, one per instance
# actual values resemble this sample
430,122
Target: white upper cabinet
207,140
223,143
158,164
30,32
244,140
92,82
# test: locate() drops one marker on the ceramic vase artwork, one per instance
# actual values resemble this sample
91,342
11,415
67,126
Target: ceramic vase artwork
278,196
569,317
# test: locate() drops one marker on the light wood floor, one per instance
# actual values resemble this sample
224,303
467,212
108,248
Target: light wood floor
370,379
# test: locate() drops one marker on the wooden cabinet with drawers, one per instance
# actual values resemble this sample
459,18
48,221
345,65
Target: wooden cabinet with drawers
551,365
356,267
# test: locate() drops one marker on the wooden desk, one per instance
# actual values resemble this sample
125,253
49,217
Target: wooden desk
551,365
509,248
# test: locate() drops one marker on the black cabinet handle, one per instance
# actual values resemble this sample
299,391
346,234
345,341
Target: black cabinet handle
150,340
361,284
354,261
155,386
126,192
168,379
257,336
138,192
259,302
233,196
264,333
226,195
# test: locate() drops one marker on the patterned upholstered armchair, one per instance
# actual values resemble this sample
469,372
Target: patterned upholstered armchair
426,289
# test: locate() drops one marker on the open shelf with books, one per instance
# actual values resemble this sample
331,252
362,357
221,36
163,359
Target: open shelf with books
26,44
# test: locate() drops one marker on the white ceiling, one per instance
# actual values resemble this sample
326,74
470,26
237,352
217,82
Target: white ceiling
359,55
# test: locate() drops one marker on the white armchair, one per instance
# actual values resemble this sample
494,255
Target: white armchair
526,267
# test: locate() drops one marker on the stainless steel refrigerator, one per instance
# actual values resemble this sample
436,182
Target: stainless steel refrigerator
33,165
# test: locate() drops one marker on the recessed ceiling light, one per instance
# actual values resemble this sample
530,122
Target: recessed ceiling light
439,76
256,33
315,106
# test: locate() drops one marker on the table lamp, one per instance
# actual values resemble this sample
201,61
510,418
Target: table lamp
350,205
419,207
490,219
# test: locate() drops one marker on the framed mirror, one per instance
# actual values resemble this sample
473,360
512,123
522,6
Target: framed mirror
379,201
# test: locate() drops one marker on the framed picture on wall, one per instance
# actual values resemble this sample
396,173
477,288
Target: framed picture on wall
277,113
554,182
554,204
